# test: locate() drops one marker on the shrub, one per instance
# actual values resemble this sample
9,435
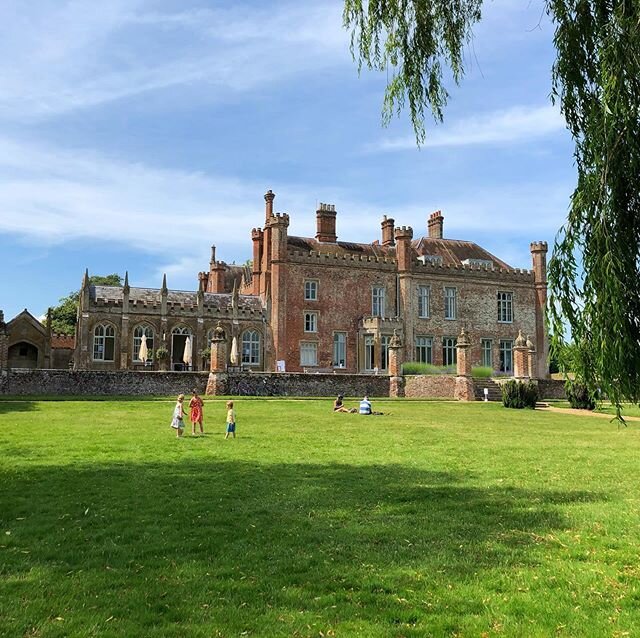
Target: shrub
481,372
162,354
414,367
519,395
579,395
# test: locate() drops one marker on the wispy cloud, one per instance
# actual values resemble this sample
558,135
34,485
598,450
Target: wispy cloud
510,126
58,57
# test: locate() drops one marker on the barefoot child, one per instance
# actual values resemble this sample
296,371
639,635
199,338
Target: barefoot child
195,407
177,422
231,420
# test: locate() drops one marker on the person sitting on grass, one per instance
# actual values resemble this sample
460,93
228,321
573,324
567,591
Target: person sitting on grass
339,406
365,407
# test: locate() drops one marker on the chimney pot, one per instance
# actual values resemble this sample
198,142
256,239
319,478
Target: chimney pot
326,223
435,225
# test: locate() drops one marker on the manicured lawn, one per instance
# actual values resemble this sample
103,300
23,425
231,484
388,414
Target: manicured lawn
439,519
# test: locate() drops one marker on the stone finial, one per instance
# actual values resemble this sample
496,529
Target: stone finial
235,295
126,281
219,333
520,341
463,339
85,278
164,289
395,341
530,344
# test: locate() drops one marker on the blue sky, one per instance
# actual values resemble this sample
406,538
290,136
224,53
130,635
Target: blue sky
134,134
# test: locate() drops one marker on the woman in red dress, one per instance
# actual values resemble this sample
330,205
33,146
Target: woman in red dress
195,406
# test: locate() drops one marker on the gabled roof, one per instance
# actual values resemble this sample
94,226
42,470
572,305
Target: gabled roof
25,315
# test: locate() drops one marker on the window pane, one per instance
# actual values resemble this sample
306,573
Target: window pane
377,301
506,356
450,303
340,349
486,353
384,352
308,354
423,301
449,351
369,358
251,347
424,349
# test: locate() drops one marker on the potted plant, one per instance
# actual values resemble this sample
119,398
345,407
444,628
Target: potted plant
205,355
162,356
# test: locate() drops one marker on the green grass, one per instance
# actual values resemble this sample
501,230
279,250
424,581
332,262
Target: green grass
436,519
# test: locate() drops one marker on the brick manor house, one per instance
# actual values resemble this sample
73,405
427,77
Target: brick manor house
319,304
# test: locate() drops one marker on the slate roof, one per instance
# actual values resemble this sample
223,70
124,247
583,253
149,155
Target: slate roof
452,251
187,298
455,251
340,247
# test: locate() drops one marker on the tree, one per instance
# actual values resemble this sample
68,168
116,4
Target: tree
64,316
594,272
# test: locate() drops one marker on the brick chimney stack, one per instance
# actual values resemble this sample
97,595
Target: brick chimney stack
326,223
388,227
269,196
436,225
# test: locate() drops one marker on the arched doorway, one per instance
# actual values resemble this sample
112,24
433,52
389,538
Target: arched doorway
179,337
23,355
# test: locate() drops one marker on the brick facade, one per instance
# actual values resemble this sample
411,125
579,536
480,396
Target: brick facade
320,304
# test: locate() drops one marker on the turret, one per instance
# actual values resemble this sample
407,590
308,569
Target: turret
404,250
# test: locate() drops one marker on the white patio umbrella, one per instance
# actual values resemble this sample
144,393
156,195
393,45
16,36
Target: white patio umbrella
143,353
233,357
186,357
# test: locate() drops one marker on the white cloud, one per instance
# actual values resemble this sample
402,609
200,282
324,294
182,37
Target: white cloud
515,125
56,57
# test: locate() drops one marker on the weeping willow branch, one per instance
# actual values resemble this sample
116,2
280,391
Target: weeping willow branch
594,272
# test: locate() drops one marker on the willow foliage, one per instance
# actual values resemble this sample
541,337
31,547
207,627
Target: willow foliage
594,273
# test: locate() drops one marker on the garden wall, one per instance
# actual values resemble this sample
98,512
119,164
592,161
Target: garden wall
145,383
551,389
430,386
307,385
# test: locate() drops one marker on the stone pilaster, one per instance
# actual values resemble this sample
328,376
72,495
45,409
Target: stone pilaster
532,360
396,381
520,358
464,390
4,343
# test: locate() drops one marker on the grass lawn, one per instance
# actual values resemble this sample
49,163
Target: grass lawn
438,519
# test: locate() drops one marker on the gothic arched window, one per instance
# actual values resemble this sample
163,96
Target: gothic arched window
251,347
138,331
104,342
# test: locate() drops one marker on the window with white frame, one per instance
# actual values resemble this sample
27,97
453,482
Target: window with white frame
369,353
449,351
424,301
310,290
450,304
486,353
104,342
384,351
505,307
377,301
506,356
251,347
311,322
339,349
138,333
308,353
424,349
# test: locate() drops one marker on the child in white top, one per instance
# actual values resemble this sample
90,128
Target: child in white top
177,422
231,420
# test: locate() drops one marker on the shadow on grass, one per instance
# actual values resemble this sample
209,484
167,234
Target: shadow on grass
225,544
17,405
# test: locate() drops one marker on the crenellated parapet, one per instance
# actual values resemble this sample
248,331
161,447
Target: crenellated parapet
350,260
514,275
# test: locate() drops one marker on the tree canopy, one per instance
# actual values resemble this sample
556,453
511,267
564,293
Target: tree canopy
65,315
594,272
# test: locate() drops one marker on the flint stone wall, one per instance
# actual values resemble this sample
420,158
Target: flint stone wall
308,385
439,386
146,383
551,389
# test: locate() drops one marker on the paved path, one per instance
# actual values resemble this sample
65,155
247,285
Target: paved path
550,408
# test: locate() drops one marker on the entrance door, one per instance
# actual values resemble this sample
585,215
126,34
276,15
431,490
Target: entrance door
178,340
23,355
